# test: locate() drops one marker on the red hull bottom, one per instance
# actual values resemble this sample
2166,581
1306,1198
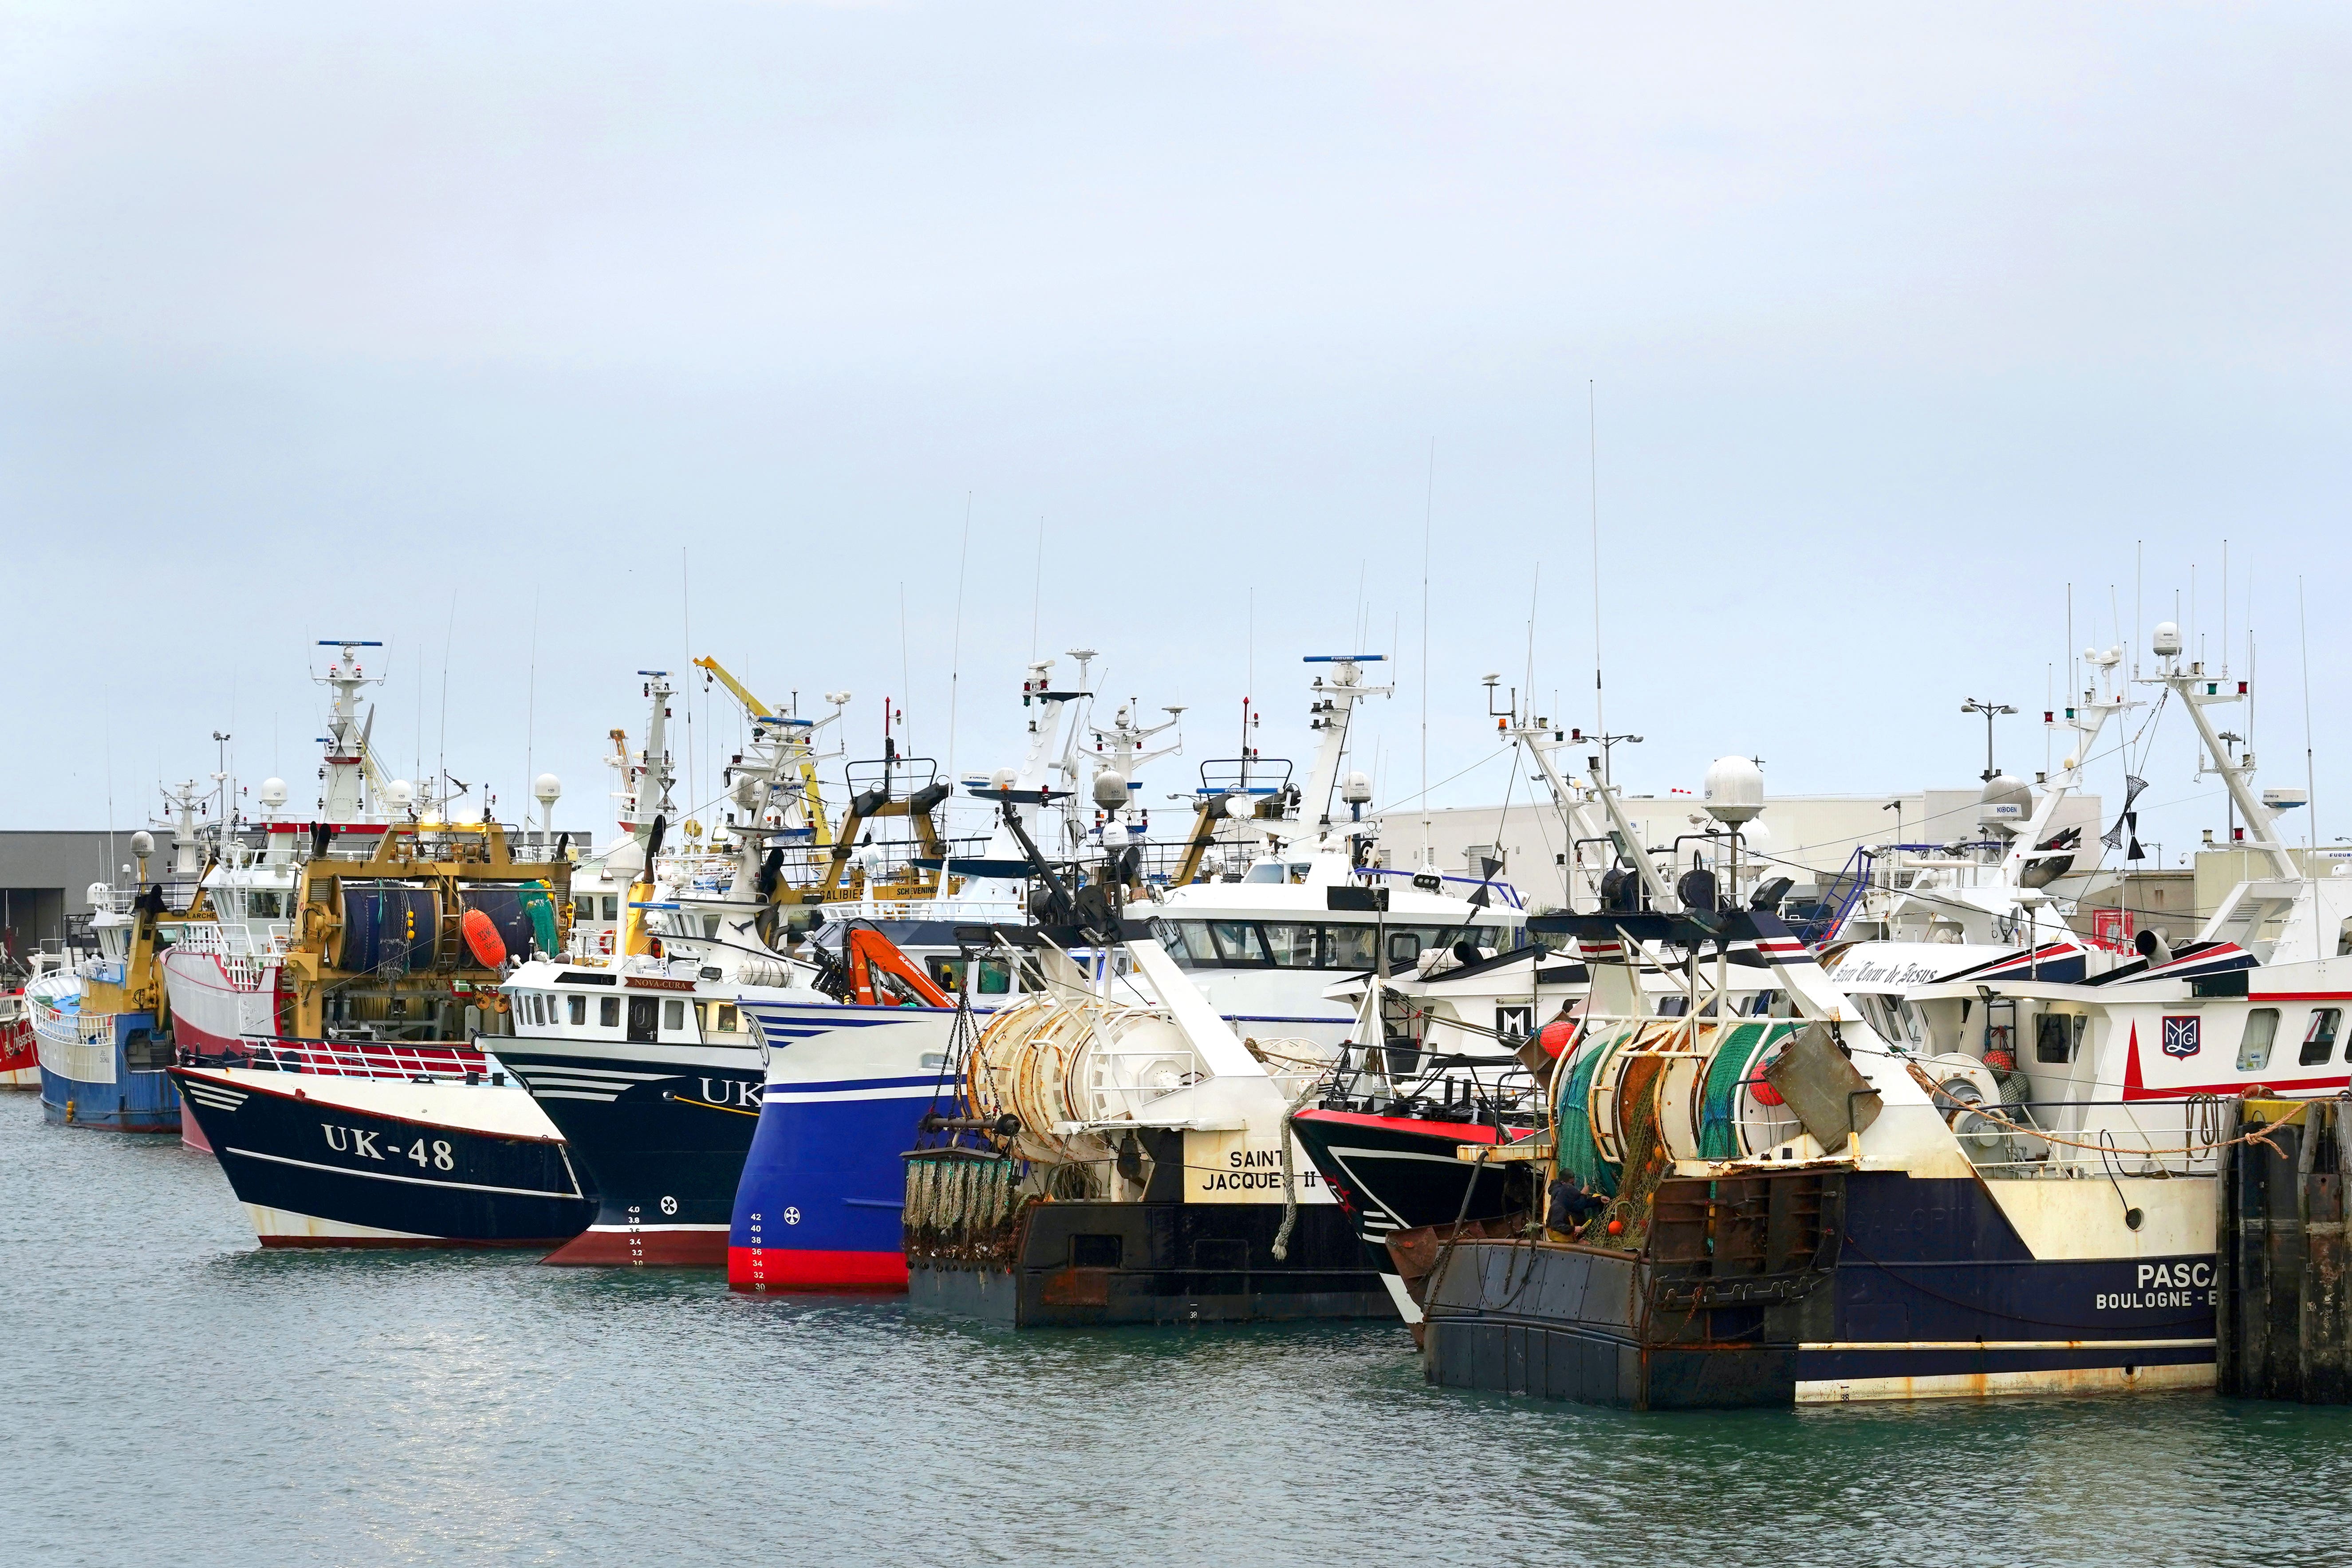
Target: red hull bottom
618,1247
397,1243
764,1270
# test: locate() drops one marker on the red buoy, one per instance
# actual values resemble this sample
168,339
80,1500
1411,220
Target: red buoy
482,939
1556,1036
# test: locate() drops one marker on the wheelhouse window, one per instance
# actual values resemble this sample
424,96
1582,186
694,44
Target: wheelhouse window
608,1011
1302,944
2055,1036
1238,942
674,1015
2254,1045
2319,1035
579,1005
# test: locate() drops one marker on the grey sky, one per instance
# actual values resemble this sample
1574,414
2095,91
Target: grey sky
1900,322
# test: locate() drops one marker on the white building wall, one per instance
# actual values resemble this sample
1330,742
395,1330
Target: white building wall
1810,837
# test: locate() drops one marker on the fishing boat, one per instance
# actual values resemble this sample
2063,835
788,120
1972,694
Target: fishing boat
1118,1155
20,1049
853,1047
1824,1213
643,1056
103,1058
368,1114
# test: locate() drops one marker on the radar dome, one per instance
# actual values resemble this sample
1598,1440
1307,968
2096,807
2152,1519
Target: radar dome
273,794
547,789
143,843
1110,789
2006,802
1735,790
2168,640
400,794
1356,789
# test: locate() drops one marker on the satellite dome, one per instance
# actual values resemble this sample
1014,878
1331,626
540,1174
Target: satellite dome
1735,790
399,793
143,843
1110,789
547,789
2168,640
273,794
1356,789
2006,802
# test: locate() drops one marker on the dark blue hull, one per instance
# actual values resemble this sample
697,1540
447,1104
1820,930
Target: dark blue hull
314,1172
661,1140
1861,1285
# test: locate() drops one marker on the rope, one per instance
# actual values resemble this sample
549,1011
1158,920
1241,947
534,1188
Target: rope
1935,1092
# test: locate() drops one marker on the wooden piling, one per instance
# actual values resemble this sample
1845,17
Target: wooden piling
2282,1321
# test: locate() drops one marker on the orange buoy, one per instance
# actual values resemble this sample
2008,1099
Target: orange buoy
482,939
1556,1036
1616,1227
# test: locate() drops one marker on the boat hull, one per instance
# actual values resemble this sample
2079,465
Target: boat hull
1865,1285
659,1132
1085,1263
325,1162
119,1086
823,1186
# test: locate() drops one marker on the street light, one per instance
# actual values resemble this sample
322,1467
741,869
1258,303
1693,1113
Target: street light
1990,709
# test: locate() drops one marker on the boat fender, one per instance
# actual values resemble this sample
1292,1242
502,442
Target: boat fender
482,939
605,940
1555,1036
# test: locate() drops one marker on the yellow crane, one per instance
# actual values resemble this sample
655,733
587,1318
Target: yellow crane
812,799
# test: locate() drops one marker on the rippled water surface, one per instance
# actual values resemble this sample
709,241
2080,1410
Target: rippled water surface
175,1395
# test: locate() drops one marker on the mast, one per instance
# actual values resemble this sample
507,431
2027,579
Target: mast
345,798
2197,691
1332,713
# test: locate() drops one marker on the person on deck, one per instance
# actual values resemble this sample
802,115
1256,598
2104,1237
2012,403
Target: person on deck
1571,1207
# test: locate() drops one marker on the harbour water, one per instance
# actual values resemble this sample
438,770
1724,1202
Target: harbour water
175,1394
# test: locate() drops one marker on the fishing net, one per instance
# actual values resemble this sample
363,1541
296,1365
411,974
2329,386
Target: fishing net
1726,1071
963,1208
1647,1162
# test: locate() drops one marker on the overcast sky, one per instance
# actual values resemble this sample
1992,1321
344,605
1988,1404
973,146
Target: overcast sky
434,322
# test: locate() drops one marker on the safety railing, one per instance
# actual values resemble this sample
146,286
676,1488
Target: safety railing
355,1058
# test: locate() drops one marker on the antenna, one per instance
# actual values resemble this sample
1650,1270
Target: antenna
1036,590
2310,775
1592,472
530,695
955,648
1428,511
686,620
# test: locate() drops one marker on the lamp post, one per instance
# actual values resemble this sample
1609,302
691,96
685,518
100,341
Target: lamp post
1990,711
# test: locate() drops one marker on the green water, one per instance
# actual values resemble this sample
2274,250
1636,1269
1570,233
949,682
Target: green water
176,1396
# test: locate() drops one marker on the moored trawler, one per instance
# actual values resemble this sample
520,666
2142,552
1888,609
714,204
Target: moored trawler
2019,1198
643,1056
401,927
20,1049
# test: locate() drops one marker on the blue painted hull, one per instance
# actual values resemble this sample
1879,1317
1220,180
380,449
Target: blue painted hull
818,1207
1918,1288
140,1100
